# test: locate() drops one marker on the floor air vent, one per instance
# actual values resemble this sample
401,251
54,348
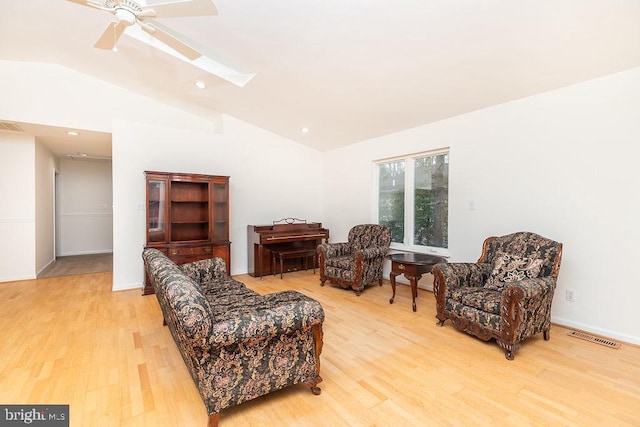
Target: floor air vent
602,341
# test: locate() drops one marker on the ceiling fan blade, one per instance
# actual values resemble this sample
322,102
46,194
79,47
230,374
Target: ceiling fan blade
171,8
110,37
90,3
171,39
147,13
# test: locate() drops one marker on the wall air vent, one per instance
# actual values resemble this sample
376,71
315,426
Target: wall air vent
592,338
12,126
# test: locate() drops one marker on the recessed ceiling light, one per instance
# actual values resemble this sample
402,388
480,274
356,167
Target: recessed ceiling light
72,133
200,84
304,130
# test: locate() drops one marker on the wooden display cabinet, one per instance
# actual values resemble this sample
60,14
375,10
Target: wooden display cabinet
187,217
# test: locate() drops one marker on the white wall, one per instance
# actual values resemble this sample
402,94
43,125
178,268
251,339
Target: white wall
86,197
562,164
17,210
45,167
270,178
51,94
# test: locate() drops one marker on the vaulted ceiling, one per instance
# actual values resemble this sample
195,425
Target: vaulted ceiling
348,70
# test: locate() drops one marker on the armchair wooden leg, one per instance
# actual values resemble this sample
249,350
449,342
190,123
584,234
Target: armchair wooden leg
545,334
441,319
509,349
213,420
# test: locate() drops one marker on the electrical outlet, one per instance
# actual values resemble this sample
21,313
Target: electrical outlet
570,295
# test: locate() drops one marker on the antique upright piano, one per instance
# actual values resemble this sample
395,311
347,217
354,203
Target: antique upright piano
284,234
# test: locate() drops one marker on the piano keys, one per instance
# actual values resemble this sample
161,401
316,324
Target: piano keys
286,234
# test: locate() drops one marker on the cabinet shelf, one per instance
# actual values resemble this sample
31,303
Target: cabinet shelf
190,202
189,222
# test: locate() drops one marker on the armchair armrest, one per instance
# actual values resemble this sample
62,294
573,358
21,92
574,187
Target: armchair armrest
370,253
334,249
535,288
206,270
291,311
459,274
526,308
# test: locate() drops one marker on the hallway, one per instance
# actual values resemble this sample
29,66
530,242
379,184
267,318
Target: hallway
78,264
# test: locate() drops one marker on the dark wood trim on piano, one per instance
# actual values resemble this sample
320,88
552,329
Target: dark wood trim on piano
262,239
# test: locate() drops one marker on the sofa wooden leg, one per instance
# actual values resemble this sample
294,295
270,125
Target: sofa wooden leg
545,334
313,383
213,420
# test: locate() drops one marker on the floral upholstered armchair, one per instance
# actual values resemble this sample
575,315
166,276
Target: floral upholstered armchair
506,295
357,262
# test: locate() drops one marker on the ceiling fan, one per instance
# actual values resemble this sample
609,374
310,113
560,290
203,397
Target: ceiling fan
135,18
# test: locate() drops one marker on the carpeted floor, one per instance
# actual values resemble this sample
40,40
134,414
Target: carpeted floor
78,264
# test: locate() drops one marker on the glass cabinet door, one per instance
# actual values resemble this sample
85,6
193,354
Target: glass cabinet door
156,210
221,211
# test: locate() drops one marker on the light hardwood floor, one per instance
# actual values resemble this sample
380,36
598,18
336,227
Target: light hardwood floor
71,340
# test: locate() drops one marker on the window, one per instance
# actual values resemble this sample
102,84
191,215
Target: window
413,200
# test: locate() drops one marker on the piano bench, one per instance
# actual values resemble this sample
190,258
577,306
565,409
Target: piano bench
290,254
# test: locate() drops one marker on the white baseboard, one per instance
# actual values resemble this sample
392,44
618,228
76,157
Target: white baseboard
16,278
106,251
43,268
127,287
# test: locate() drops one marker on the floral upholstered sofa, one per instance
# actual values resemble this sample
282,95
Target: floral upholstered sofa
506,294
237,344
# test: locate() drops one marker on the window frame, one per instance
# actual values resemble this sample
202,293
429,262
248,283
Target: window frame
409,200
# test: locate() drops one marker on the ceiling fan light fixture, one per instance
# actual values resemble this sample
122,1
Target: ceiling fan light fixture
126,16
